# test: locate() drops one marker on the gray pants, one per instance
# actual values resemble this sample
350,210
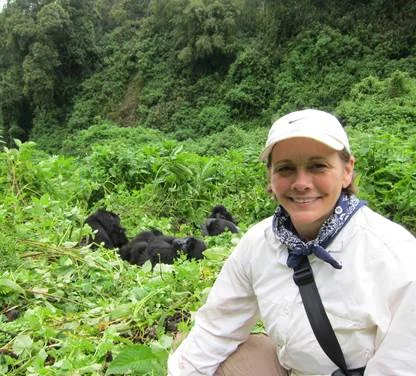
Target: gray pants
257,356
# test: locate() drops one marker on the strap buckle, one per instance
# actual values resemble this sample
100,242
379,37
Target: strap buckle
303,275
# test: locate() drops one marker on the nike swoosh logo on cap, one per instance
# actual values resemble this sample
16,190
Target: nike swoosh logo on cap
293,121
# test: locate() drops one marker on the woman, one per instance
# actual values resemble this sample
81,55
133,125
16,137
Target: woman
364,267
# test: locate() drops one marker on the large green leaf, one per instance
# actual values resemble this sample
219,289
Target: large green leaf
137,359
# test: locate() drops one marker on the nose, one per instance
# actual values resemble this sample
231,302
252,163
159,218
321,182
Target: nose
302,180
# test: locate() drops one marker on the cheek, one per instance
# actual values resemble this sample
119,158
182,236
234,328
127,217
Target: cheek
278,185
331,184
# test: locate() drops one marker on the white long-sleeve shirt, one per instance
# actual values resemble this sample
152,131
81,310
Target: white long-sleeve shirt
370,302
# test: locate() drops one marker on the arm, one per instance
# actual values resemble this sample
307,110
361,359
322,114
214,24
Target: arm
396,352
395,342
221,324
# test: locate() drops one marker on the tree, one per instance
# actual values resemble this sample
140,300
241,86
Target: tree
39,74
204,31
47,49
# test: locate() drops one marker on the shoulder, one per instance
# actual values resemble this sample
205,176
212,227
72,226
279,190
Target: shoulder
258,254
378,242
368,223
257,230
259,238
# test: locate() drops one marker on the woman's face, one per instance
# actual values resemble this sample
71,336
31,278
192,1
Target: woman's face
307,177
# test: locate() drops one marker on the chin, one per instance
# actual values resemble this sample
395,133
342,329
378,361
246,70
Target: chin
304,220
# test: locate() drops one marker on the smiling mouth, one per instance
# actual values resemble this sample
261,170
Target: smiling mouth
304,200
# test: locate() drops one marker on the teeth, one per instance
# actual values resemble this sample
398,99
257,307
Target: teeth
303,200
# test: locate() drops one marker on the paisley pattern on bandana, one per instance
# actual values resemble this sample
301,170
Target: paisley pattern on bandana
284,230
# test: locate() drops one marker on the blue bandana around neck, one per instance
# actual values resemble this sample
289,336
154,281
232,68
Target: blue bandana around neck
284,230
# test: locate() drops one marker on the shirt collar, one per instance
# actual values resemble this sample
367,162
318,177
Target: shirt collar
281,249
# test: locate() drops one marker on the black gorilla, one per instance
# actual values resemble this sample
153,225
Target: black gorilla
107,230
165,249
216,226
162,249
220,211
158,248
193,247
135,250
219,220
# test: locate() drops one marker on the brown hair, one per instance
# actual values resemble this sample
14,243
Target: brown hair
352,188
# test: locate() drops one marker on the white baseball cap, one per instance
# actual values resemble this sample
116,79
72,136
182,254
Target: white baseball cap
315,124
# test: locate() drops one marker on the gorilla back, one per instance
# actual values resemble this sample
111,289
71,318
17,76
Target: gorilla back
216,226
161,249
219,221
135,251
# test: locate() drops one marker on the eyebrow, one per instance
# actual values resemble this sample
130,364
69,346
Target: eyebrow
314,158
282,161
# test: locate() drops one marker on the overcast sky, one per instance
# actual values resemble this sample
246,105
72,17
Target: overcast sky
2,2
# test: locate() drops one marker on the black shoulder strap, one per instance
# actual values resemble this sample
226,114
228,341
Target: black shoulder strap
303,277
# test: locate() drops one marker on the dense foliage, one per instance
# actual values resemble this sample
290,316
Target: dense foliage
157,110
186,67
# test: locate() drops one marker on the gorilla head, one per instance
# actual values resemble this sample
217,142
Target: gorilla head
220,211
192,247
107,229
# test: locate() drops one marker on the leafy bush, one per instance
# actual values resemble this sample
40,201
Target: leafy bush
380,118
48,132
250,82
371,104
166,181
229,138
28,172
387,174
318,69
82,143
212,119
35,185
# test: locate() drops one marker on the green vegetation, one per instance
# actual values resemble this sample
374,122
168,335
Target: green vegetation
157,110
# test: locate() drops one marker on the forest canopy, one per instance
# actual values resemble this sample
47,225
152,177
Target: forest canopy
188,68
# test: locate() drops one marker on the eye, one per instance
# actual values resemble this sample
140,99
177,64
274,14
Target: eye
283,170
318,167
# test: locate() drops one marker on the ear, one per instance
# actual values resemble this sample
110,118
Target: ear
348,172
